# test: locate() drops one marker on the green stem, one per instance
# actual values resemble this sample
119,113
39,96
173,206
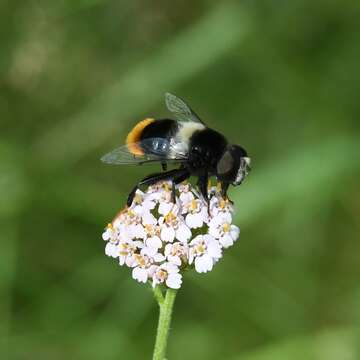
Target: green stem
166,307
158,295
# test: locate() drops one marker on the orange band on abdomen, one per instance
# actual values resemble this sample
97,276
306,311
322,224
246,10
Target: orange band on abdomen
135,135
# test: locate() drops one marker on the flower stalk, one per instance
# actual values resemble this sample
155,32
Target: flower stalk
166,305
159,238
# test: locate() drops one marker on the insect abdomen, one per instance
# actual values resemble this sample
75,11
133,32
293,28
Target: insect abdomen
155,137
164,128
135,136
150,129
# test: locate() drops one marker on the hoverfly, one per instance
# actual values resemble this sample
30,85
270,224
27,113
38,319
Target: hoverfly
196,149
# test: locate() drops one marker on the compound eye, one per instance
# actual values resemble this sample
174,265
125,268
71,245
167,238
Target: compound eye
225,163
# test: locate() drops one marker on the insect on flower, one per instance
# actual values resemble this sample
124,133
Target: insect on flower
186,141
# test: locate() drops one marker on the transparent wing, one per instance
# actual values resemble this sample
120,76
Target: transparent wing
180,109
154,150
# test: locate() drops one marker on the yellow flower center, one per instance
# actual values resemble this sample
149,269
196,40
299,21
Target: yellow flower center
226,227
162,274
124,249
166,186
140,260
110,226
138,199
152,230
222,204
193,205
176,250
170,217
200,249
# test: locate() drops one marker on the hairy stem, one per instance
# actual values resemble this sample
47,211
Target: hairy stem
166,308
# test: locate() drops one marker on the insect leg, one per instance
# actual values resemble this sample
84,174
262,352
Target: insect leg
131,195
224,188
154,178
181,176
203,187
173,191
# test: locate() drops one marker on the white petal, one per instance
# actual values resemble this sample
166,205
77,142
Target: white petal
214,249
125,234
148,219
154,242
170,268
111,250
176,209
139,192
133,263
140,274
148,251
153,196
196,239
122,260
214,201
204,214
174,281
158,257
168,248
191,256
138,231
138,210
148,204
151,270
216,221
186,197
130,261
214,230
203,263
174,260
208,238
183,233
117,223
194,220
165,197
226,241
167,234
225,217
165,208
106,235
234,232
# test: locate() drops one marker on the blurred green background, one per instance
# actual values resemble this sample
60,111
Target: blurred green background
282,78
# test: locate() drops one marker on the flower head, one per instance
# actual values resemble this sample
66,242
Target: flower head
159,239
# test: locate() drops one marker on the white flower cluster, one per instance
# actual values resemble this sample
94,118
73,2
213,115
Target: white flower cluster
158,239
